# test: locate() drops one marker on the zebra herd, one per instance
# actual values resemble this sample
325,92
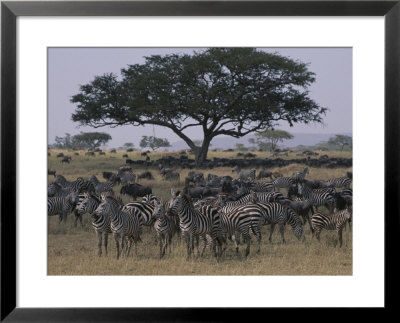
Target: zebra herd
212,220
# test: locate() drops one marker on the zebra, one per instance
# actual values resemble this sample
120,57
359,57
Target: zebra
164,226
145,210
124,224
317,197
55,189
255,187
87,203
344,182
126,178
192,222
245,174
150,198
100,223
301,175
61,205
77,185
258,196
101,187
303,208
241,220
335,221
276,213
284,182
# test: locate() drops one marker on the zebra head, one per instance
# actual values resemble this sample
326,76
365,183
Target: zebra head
177,202
253,197
159,210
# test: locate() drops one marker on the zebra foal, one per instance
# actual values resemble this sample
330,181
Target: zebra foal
164,226
335,221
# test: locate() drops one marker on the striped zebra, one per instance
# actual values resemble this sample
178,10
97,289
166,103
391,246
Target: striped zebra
317,197
55,189
284,182
260,197
145,210
62,205
335,221
100,187
76,186
340,182
239,222
164,226
124,224
150,198
303,209
245,174
276,213
100,223
299,176
192,222
262,187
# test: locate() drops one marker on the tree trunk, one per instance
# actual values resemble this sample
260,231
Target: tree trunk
201,152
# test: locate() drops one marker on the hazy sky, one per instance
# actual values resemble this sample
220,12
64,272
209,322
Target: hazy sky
68,68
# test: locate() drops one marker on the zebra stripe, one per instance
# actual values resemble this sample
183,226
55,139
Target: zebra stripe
275,213
318,197
192,222
240,220
164,226
344,182
245,174
334,221
283,182
145,210
61,205
258,196
124,224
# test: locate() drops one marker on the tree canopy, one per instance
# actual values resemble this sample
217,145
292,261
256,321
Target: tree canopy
82,140
341,140
153,142
226,91
272,137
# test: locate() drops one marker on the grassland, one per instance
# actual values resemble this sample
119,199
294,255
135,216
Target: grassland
73,251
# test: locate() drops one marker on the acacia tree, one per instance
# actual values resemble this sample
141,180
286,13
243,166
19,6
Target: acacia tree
91,139
272,137
225,91
153,142
341,140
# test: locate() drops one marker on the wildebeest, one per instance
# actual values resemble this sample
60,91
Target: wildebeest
60,155
125,156
249,155
66,159
51,172
264,174
107,175
129,161
135,190
172,176
145,175
89,153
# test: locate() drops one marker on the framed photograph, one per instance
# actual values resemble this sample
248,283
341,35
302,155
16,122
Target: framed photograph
163,122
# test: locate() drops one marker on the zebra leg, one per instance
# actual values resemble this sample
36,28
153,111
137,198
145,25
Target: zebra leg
271,231
76,219
165,243
99,240
235,242
282,230
340,237
160,238
105,242
204,238
310,224
116,237
247,240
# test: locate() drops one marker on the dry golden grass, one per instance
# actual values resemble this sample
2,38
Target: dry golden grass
73,251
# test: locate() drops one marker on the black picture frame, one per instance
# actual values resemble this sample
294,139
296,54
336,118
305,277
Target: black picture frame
10,10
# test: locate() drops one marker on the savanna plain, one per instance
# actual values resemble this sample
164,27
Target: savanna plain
73,250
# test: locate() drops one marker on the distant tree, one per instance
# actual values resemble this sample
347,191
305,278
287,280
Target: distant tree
241,147
128,145
252,142
273,137
264,146
341,140
154,142
63,142
91,139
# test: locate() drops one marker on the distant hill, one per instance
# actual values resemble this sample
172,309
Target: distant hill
226,142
